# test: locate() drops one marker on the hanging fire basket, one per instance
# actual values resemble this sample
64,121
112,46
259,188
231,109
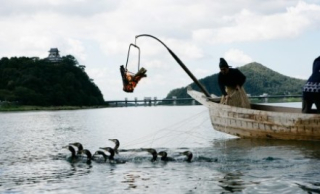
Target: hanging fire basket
129,79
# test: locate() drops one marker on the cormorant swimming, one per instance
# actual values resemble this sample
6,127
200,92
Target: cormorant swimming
72,150
153,152
188,154
73,158
117,144
164,156
111,156
110,150
87,153
105,156
78,145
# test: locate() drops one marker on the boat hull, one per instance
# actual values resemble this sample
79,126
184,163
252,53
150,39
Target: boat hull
262,121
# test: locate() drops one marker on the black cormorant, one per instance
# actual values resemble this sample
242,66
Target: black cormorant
188,154
78,145
105,156
153,152
87,153
111,156
73,158
73,151
117,144
164,156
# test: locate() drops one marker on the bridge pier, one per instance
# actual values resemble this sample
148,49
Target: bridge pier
174,100
155,101
126,102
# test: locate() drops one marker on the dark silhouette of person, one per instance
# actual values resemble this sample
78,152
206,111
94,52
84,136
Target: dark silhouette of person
311,90
230,81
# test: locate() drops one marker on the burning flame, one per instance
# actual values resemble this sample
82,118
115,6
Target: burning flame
131,80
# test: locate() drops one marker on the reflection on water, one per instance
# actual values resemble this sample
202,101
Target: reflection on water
33,160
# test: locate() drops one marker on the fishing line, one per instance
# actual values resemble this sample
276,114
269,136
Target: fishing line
171,129
175,125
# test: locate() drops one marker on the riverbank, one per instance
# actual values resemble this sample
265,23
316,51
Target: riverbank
34,108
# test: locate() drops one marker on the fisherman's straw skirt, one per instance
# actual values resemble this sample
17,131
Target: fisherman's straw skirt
237,98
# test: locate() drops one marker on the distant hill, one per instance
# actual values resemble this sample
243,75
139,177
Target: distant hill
34,81
260,79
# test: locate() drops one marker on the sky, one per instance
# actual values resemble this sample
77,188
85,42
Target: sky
283,35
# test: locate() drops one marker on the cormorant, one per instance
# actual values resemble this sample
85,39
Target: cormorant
73,158
87,153
117,144
153,152
72,150
105,156
111,156
78,145
188,154
164,156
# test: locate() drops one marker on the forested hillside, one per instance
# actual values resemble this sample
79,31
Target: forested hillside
260,79
34,81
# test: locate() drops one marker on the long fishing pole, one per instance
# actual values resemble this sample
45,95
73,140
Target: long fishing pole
202,88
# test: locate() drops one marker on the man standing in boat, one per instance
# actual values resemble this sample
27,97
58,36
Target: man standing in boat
311,90
230,81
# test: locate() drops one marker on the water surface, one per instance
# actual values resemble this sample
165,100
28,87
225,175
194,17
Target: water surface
33,160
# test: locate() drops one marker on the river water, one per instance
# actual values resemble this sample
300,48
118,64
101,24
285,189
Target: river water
33,158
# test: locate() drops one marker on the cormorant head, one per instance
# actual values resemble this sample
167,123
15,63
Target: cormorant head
116,141
188,154
163,155
110,150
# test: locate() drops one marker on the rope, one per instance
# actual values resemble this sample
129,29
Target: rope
170,132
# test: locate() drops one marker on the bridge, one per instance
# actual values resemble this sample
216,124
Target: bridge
149,101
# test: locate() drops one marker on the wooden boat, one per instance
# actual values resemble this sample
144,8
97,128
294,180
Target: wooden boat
261,121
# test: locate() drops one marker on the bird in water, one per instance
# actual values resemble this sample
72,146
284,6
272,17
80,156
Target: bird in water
153,152
88,154
164,156
79,146
72,150
73,158
111,156
99,152
117,144
188,154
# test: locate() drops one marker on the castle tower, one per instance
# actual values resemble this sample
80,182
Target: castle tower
54,55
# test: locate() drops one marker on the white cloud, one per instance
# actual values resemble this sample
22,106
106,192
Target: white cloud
237,56
247,25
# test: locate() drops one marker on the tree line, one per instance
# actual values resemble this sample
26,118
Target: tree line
34,81
259,80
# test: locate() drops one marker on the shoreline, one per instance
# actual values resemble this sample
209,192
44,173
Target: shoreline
45,108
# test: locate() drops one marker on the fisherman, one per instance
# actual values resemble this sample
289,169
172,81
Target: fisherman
311,90
230,81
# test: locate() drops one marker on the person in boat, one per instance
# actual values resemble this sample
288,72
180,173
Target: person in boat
230,81
311,90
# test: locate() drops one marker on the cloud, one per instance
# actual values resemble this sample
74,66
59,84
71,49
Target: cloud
98,34
237,56
248,25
